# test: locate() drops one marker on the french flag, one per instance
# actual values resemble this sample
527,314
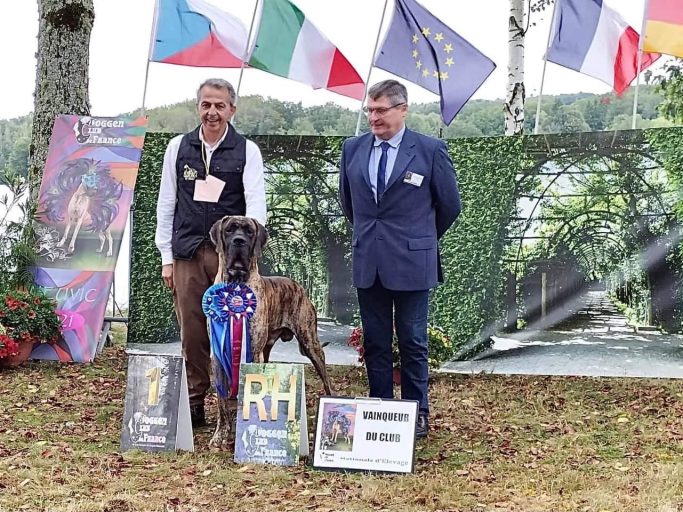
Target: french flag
195,33
593,39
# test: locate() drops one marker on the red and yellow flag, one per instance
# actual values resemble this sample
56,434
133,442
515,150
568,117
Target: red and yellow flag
664,27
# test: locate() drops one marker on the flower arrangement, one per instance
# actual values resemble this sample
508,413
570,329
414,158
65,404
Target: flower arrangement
26,316
356,341
440,346
8,347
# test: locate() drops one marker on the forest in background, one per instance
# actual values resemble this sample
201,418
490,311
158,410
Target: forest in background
256,115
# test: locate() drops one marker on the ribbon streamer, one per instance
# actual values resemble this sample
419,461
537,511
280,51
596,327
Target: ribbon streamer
229,307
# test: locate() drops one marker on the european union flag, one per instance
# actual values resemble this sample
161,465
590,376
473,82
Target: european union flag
422,49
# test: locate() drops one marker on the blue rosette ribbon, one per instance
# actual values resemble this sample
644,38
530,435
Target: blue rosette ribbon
229,307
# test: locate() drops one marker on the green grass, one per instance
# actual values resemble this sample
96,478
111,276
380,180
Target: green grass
497,444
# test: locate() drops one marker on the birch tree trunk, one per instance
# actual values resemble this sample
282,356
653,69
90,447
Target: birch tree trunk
514,102
61,73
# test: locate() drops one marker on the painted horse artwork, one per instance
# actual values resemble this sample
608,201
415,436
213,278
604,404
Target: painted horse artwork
84,191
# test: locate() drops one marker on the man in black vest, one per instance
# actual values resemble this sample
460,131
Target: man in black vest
207,174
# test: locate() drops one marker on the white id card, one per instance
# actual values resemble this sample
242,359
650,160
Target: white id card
208,190
413,178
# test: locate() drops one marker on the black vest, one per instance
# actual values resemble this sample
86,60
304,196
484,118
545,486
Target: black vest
193,219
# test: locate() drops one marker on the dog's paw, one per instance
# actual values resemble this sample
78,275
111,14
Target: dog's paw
220,441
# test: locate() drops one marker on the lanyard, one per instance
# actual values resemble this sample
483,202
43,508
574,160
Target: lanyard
206,166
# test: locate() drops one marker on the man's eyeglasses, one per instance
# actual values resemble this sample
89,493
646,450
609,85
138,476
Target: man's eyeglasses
380,111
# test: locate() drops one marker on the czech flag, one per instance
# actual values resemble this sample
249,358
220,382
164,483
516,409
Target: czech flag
195,33
593,39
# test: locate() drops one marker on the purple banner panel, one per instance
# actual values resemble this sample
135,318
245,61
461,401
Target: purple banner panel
83,205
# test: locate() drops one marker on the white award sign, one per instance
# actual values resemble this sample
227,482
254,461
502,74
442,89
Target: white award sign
365,434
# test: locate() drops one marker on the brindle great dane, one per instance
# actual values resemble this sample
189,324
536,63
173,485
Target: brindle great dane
283,308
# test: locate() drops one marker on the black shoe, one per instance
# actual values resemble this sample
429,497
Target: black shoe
422,425
197,415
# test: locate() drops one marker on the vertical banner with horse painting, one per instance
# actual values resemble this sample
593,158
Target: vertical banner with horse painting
85,195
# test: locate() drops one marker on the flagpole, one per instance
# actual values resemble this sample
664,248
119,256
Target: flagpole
152,35
635,96
639,64
537,122
372,63
246,50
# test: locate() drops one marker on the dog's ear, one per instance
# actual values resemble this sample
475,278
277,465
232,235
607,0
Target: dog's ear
215,232
261,238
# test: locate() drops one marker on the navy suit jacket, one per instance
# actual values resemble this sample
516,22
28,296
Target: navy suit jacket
397,238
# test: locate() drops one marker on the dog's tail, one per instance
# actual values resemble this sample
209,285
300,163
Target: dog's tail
322,345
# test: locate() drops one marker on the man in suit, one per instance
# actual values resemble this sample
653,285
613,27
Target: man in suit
399,190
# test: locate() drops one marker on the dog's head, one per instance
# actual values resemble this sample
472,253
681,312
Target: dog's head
239,242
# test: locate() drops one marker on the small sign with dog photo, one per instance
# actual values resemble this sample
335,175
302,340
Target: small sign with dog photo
271,414
365,434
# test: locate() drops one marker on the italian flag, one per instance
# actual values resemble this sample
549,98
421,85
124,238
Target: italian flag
289,45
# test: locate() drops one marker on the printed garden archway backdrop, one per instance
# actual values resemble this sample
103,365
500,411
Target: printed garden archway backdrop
544,217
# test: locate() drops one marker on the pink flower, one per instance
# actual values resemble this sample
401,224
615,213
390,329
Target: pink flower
8,347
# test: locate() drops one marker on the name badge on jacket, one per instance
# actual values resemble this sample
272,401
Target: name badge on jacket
413,178
208,190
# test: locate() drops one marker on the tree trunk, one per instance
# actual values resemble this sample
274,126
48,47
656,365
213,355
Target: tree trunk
514,103
61,73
